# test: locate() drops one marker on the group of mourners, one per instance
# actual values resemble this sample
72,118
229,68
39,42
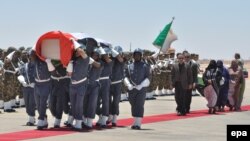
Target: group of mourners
92,82
224,86
221,86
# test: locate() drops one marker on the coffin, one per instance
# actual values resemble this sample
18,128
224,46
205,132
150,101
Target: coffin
55,45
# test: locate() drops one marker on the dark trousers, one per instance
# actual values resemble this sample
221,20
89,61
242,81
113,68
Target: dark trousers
180,98
115,98
57,97
137,99
188,99
29,100
103,98
42,92
77,93
66,99
90,100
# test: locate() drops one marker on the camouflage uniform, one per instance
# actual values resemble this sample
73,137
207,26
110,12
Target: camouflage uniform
127,58
12,87
1,80
1,74
9,76
149,61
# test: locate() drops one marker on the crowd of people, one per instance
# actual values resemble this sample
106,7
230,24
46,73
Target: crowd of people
93,81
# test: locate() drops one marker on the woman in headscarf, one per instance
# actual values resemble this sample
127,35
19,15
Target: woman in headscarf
211,78
224,86
235,73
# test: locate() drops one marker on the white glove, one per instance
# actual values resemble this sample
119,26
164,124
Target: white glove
91,60
21,79
49,64
222,81
101,51
128,84
160,65
24,84
75,43
145,82
114,53
138,87
32,85
130,87
16,69
70,67
155,55
165,64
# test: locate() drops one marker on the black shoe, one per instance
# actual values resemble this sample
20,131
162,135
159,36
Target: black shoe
67,124
135,127
76,129
103,126
83,125
9,110
178,113
183,114
42,127
114,124
97,124
30,124
56,126
88,127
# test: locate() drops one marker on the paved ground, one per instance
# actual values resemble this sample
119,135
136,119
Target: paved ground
203,128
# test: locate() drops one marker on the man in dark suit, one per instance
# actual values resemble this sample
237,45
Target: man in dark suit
182,82
194,68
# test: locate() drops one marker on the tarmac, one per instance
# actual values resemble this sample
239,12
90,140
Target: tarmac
165,125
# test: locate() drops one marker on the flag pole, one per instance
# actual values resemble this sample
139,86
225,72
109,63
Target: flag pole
161,47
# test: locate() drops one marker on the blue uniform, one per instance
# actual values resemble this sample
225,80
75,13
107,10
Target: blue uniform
42,87
137,72
104,90
59,93
78,86
116,86
28,71
90,100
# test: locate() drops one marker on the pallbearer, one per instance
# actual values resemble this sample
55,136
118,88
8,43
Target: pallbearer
116,84
90,100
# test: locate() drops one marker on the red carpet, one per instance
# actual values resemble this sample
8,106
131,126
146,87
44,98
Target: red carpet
32,134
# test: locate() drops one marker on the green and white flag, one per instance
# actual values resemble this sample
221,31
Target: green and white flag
165,38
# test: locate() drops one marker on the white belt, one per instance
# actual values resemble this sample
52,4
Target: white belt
103,78
97,80
80,81
9,71
164,71
30,85
115,82
45,80
59,78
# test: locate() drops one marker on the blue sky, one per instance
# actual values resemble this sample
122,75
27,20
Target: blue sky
212,28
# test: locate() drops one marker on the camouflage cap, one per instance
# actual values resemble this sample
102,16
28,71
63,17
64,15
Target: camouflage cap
171,50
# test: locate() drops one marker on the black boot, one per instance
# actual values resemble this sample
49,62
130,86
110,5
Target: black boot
214,110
